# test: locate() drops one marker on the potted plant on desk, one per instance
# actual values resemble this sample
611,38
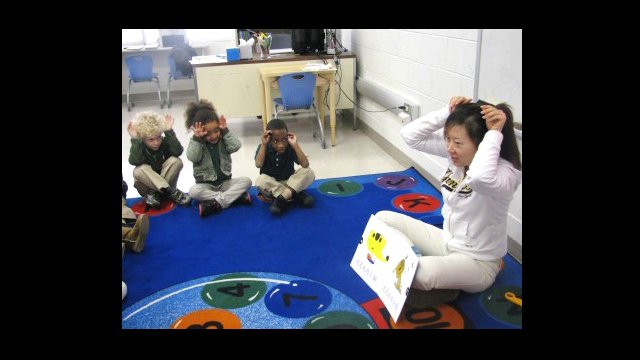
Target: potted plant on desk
265,44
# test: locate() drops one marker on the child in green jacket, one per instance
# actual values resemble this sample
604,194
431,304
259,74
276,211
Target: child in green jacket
156,159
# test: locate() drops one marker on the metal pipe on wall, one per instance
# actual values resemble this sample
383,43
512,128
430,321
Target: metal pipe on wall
387,98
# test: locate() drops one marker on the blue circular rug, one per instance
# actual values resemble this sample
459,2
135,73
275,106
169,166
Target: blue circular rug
249,301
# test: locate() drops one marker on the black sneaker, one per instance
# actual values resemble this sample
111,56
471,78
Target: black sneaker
180,198
165,194
264,196
304,199
420,299
152,199
209,207
244,199
278,205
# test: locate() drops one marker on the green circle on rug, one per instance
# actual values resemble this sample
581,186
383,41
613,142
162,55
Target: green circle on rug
239,291
340,188
496,305
339,320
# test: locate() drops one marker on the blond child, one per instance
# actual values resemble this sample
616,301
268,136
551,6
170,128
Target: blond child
156,159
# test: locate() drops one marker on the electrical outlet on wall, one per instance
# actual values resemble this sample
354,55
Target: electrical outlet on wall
404,118
412,110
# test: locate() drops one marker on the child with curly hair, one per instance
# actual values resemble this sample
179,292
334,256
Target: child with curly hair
210,151
156,159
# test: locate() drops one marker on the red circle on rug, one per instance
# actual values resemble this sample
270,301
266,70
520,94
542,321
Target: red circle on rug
164,208
443,316
416,203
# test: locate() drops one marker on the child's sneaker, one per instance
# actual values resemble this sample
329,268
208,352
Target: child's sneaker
208,207
152,199
264,196
180,198
278,205
244,199
420,299
304,199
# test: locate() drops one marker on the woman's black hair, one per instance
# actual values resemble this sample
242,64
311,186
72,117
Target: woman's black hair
469,115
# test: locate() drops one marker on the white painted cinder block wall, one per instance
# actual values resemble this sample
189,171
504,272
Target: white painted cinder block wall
429,66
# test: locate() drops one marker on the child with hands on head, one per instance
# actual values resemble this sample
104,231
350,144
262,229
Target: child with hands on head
156,159
279,181
210,150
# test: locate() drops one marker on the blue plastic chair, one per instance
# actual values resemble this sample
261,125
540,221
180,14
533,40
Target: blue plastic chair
174,74
141,70
297,94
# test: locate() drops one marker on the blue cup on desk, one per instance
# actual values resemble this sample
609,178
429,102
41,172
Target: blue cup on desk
233,54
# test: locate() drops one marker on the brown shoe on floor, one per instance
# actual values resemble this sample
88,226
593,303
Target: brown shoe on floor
278,206
420,299
304,199
136,237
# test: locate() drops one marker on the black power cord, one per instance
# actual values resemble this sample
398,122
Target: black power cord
320,56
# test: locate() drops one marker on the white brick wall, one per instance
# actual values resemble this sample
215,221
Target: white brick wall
427,65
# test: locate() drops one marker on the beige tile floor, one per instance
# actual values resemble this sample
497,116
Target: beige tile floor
354,154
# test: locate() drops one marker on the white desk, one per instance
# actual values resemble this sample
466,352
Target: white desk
207,59
236,89
147,48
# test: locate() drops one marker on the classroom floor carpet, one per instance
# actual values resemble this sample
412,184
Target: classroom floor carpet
245,268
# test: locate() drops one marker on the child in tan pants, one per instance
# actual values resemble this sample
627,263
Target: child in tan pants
278,181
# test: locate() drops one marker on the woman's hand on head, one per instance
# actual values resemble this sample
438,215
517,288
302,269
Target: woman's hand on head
457,100
198,130
168,119
222,122
494,117
132,130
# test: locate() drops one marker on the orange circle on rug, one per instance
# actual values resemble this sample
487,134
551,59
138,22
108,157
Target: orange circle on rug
208,319
164,208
